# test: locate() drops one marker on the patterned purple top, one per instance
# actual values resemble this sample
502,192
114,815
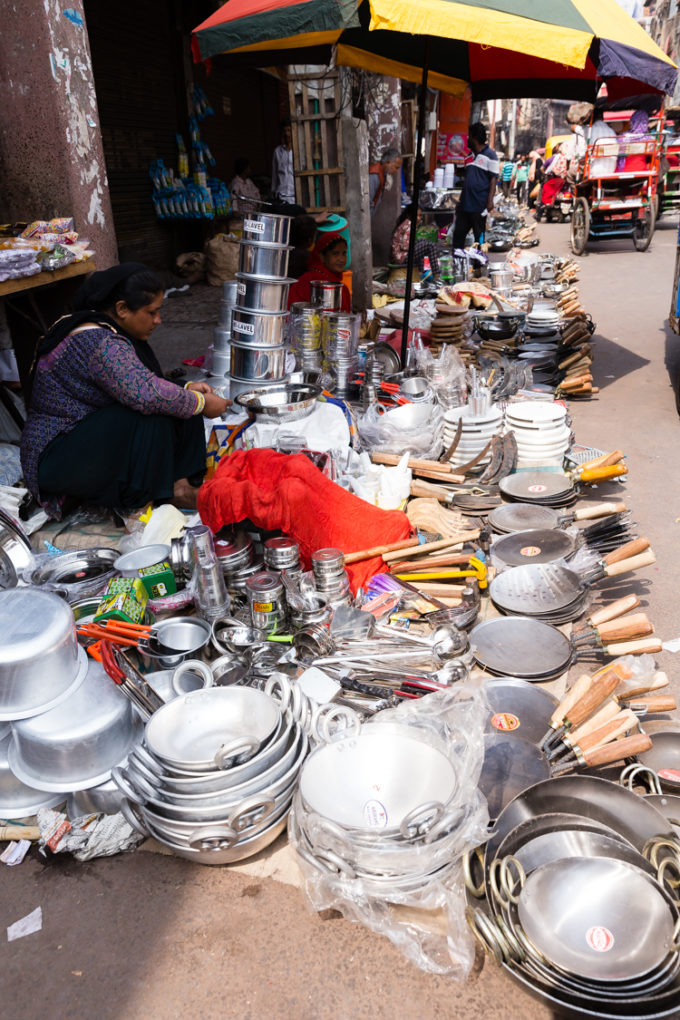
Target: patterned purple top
86,371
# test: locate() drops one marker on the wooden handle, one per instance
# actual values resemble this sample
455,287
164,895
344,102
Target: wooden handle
654,703
430,491
605,460
624,552
600,474
606,712
615,728
589,513
645,646
428,547
599,692
613,610
13,832
633,626
619,749
392,459
575,692
378,550
456,560
437,590
645,559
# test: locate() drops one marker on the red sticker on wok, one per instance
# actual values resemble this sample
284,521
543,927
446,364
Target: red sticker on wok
537,488
600,939
505,721
530,550
671,774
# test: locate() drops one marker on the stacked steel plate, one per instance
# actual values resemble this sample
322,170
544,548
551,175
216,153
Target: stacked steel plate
541,430
258,320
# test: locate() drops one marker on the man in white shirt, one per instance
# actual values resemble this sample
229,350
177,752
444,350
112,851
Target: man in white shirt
283,182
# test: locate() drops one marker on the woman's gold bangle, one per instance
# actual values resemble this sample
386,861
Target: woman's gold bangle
200,402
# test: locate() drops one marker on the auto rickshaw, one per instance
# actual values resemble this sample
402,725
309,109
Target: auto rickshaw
615,195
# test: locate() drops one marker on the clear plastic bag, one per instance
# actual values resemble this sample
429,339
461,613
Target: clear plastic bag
409,889
413,427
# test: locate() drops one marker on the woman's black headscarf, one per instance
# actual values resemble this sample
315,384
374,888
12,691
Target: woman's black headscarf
90,300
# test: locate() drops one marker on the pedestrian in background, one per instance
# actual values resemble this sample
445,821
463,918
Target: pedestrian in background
479,187
522,180
506,177
380,176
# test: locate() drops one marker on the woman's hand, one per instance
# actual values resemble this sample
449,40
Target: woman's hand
215,406
199,387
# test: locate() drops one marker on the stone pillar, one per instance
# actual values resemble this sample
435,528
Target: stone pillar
383,116
357,206
51,155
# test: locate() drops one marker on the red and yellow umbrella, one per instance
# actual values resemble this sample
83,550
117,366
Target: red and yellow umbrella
499,47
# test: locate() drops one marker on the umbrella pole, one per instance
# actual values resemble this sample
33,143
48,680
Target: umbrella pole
417,174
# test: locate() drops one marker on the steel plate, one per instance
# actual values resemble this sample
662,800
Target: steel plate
518,708
598,918
511,517
520,646
536,588
535,546
536,486
511,765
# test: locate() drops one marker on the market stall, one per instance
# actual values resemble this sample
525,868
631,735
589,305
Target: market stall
362,643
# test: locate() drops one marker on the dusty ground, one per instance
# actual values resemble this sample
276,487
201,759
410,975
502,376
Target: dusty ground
149,936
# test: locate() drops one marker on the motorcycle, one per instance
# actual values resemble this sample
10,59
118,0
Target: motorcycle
556,200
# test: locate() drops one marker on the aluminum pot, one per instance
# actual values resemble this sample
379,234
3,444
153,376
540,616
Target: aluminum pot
216,854
269,227
267,260
387,780
130,564
501,279
104,799
212,782
212,728
258,363
264,293
75,745
252,327
40,663
187,634
17,800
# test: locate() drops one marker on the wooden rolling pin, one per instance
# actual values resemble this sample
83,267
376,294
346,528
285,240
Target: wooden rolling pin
428,547
378,550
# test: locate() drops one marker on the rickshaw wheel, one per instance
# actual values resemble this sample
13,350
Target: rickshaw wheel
580,226
644,229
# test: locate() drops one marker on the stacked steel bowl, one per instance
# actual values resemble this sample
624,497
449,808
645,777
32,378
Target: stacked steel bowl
218,355
304,335
330,576
258,320
215,778
339,342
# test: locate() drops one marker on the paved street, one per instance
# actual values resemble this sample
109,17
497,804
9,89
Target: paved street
151,936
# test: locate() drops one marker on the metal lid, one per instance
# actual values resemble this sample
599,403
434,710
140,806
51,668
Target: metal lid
264,583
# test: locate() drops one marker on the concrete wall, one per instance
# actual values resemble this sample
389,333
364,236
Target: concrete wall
51,158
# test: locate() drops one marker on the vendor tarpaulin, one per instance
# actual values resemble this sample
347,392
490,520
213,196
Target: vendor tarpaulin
500,47
280,491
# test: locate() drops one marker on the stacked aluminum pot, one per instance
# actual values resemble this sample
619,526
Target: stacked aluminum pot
236,557
267,601
216,777
258,320
282,553
218,355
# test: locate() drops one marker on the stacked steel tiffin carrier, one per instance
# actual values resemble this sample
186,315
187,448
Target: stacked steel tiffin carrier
258,319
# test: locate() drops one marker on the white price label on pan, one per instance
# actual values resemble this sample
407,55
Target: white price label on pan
253,225
243,327
241,288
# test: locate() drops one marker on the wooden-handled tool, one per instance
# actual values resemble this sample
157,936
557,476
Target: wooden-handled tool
645,559
429,547
417,465
600,688
605,460
378,550
654,703
578,688
601,474
624,552
628,747
645,646
606,712
589,513
623,722
613,610
637,688
633,626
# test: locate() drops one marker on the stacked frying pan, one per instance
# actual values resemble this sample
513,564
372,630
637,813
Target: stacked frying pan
573,899
604,536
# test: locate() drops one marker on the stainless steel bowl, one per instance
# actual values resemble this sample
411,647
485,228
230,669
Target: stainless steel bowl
270,227
188,635
103,799
278,403
79,574
265,293
267,260
39,656
260,328
257,363
75,745
14,543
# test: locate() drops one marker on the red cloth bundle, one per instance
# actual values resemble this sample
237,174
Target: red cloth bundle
287,492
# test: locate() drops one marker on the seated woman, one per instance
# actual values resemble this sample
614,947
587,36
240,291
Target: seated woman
104,426
326,262
401,238
245,194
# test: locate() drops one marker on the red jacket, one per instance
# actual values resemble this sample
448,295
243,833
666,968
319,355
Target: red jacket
301,289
